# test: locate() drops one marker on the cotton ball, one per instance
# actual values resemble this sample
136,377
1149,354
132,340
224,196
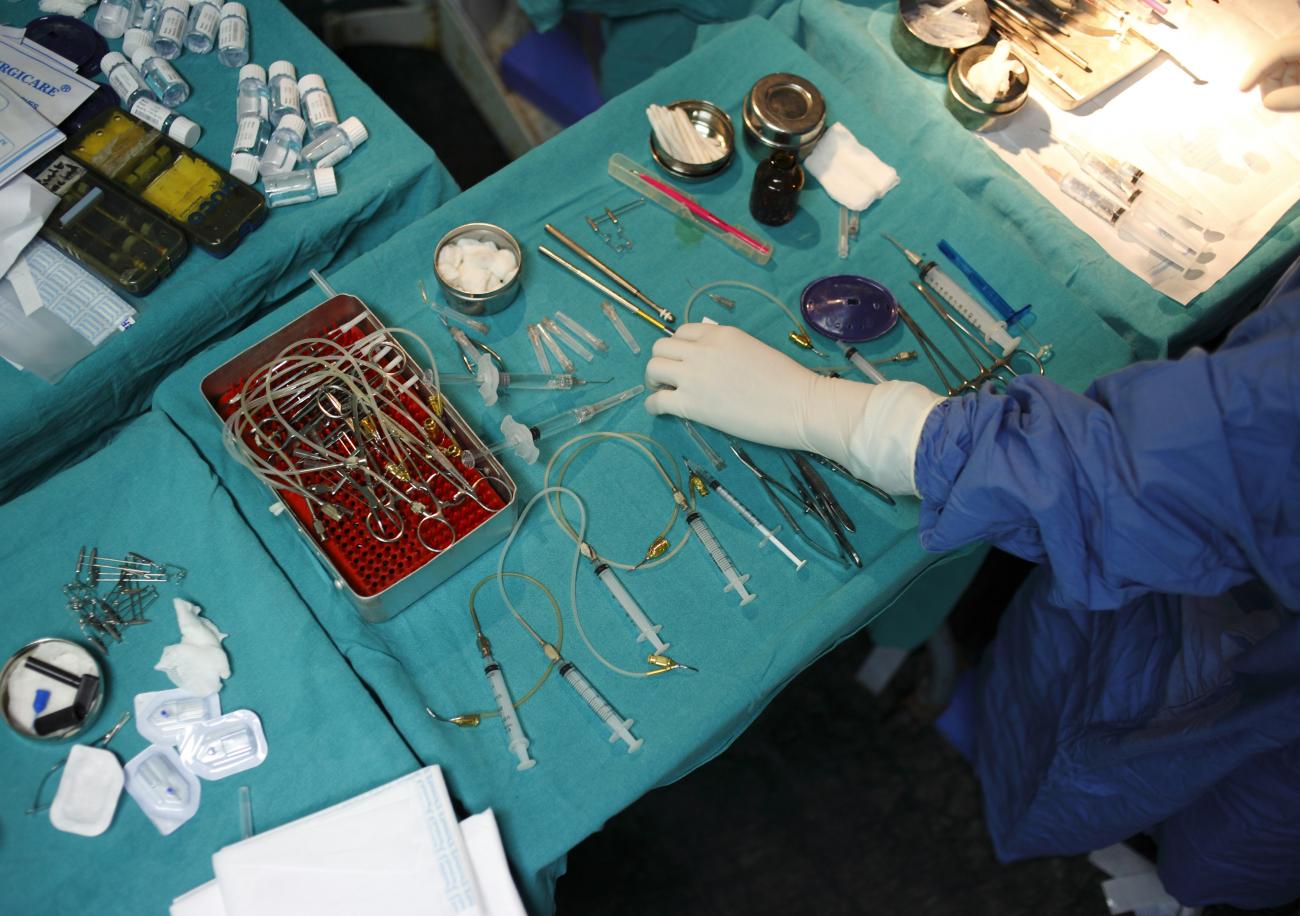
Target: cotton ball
473,279
480,256
510,275
503,264
449,274
449,256
494,282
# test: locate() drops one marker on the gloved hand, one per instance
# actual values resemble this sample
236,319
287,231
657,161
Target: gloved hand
1277,73
726,379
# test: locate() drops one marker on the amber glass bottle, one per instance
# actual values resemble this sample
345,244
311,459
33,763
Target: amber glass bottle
777,183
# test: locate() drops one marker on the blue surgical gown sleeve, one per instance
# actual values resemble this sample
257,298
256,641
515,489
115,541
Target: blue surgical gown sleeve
1175,476
1167,498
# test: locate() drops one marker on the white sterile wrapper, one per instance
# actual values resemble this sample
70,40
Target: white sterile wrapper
197,663
166,716
226,746
851,174
166,792
88,791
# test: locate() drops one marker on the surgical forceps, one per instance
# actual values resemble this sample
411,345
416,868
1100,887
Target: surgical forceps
770,486
998,368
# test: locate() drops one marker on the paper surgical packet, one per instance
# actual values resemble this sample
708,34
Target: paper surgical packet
25,136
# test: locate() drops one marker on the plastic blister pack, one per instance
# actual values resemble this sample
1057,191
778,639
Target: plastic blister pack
166,716
164,789
225,746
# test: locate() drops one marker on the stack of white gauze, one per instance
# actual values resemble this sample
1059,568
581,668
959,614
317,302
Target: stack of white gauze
474,266
852,175
396,850
677,136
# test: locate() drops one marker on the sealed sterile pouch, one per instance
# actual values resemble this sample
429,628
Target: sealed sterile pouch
166,716
225,746
88,791
166,792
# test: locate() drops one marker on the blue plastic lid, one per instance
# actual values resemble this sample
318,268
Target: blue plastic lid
848,308
70,38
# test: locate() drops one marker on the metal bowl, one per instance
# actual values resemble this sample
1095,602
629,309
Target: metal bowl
783,111
714,124
972,111
12,665
480,303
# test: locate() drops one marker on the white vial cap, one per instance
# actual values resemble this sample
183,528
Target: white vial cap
252,71
182,5
141,55
136,38
311,81
326,184
185,132
294,123
283,68
355,130
244,167
111,60
235,9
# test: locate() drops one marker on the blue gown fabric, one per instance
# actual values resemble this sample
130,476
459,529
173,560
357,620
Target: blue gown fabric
1147,676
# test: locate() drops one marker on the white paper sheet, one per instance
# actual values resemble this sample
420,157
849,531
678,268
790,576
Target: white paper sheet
24,135
24,207
39,77
396,850
45,278
1216,145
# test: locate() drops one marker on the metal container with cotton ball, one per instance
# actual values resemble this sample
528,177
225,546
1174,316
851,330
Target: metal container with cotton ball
478,266
986,86
926,34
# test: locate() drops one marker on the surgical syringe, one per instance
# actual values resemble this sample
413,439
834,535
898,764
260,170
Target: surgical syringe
523,439
516,740
649,631
532,381
735,581
1131,182
994,331
994,298
769,534
619,728
1157,239
860,362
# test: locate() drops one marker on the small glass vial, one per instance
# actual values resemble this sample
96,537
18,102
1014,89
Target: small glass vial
169,28
299,187
282,150
317,104
146,13
250,142
160,76
160,117
253,98
201,32
774,198
232,35
335,144
113,17
284,91
125,79
134,40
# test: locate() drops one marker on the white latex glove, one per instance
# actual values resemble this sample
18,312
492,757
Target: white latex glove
726,379
1277,73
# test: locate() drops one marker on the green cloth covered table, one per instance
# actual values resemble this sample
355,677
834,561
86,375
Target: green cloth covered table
851,39
426,656
391,180
149,492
